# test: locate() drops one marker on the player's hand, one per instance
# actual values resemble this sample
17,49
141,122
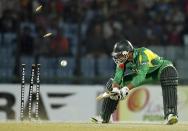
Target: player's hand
124,92
119,94
115,93
115,90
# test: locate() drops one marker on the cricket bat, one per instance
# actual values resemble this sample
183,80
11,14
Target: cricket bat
103,95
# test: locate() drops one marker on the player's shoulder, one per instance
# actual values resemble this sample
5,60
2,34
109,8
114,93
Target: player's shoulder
141,50
144,50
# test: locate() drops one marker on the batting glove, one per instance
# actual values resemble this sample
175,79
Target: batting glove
115,93
123,93
119,94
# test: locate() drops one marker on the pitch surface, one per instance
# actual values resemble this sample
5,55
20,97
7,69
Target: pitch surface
67,126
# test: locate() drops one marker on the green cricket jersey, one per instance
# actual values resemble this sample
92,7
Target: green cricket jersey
144,62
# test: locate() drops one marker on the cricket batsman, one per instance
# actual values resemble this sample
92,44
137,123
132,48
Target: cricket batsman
146,67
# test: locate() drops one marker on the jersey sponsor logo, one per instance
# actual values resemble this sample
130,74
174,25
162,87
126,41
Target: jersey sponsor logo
144,63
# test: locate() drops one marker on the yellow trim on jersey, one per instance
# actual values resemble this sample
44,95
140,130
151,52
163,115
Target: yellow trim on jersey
150,55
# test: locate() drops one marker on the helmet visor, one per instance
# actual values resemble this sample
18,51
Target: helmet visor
120,57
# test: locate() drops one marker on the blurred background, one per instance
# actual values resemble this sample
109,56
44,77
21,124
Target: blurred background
83,35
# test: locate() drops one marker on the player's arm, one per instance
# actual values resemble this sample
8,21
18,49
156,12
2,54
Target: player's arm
141,73
118,76
119,93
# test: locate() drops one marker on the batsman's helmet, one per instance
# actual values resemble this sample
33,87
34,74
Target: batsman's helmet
121,51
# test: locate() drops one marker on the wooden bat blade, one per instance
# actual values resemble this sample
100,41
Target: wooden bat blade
103,95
